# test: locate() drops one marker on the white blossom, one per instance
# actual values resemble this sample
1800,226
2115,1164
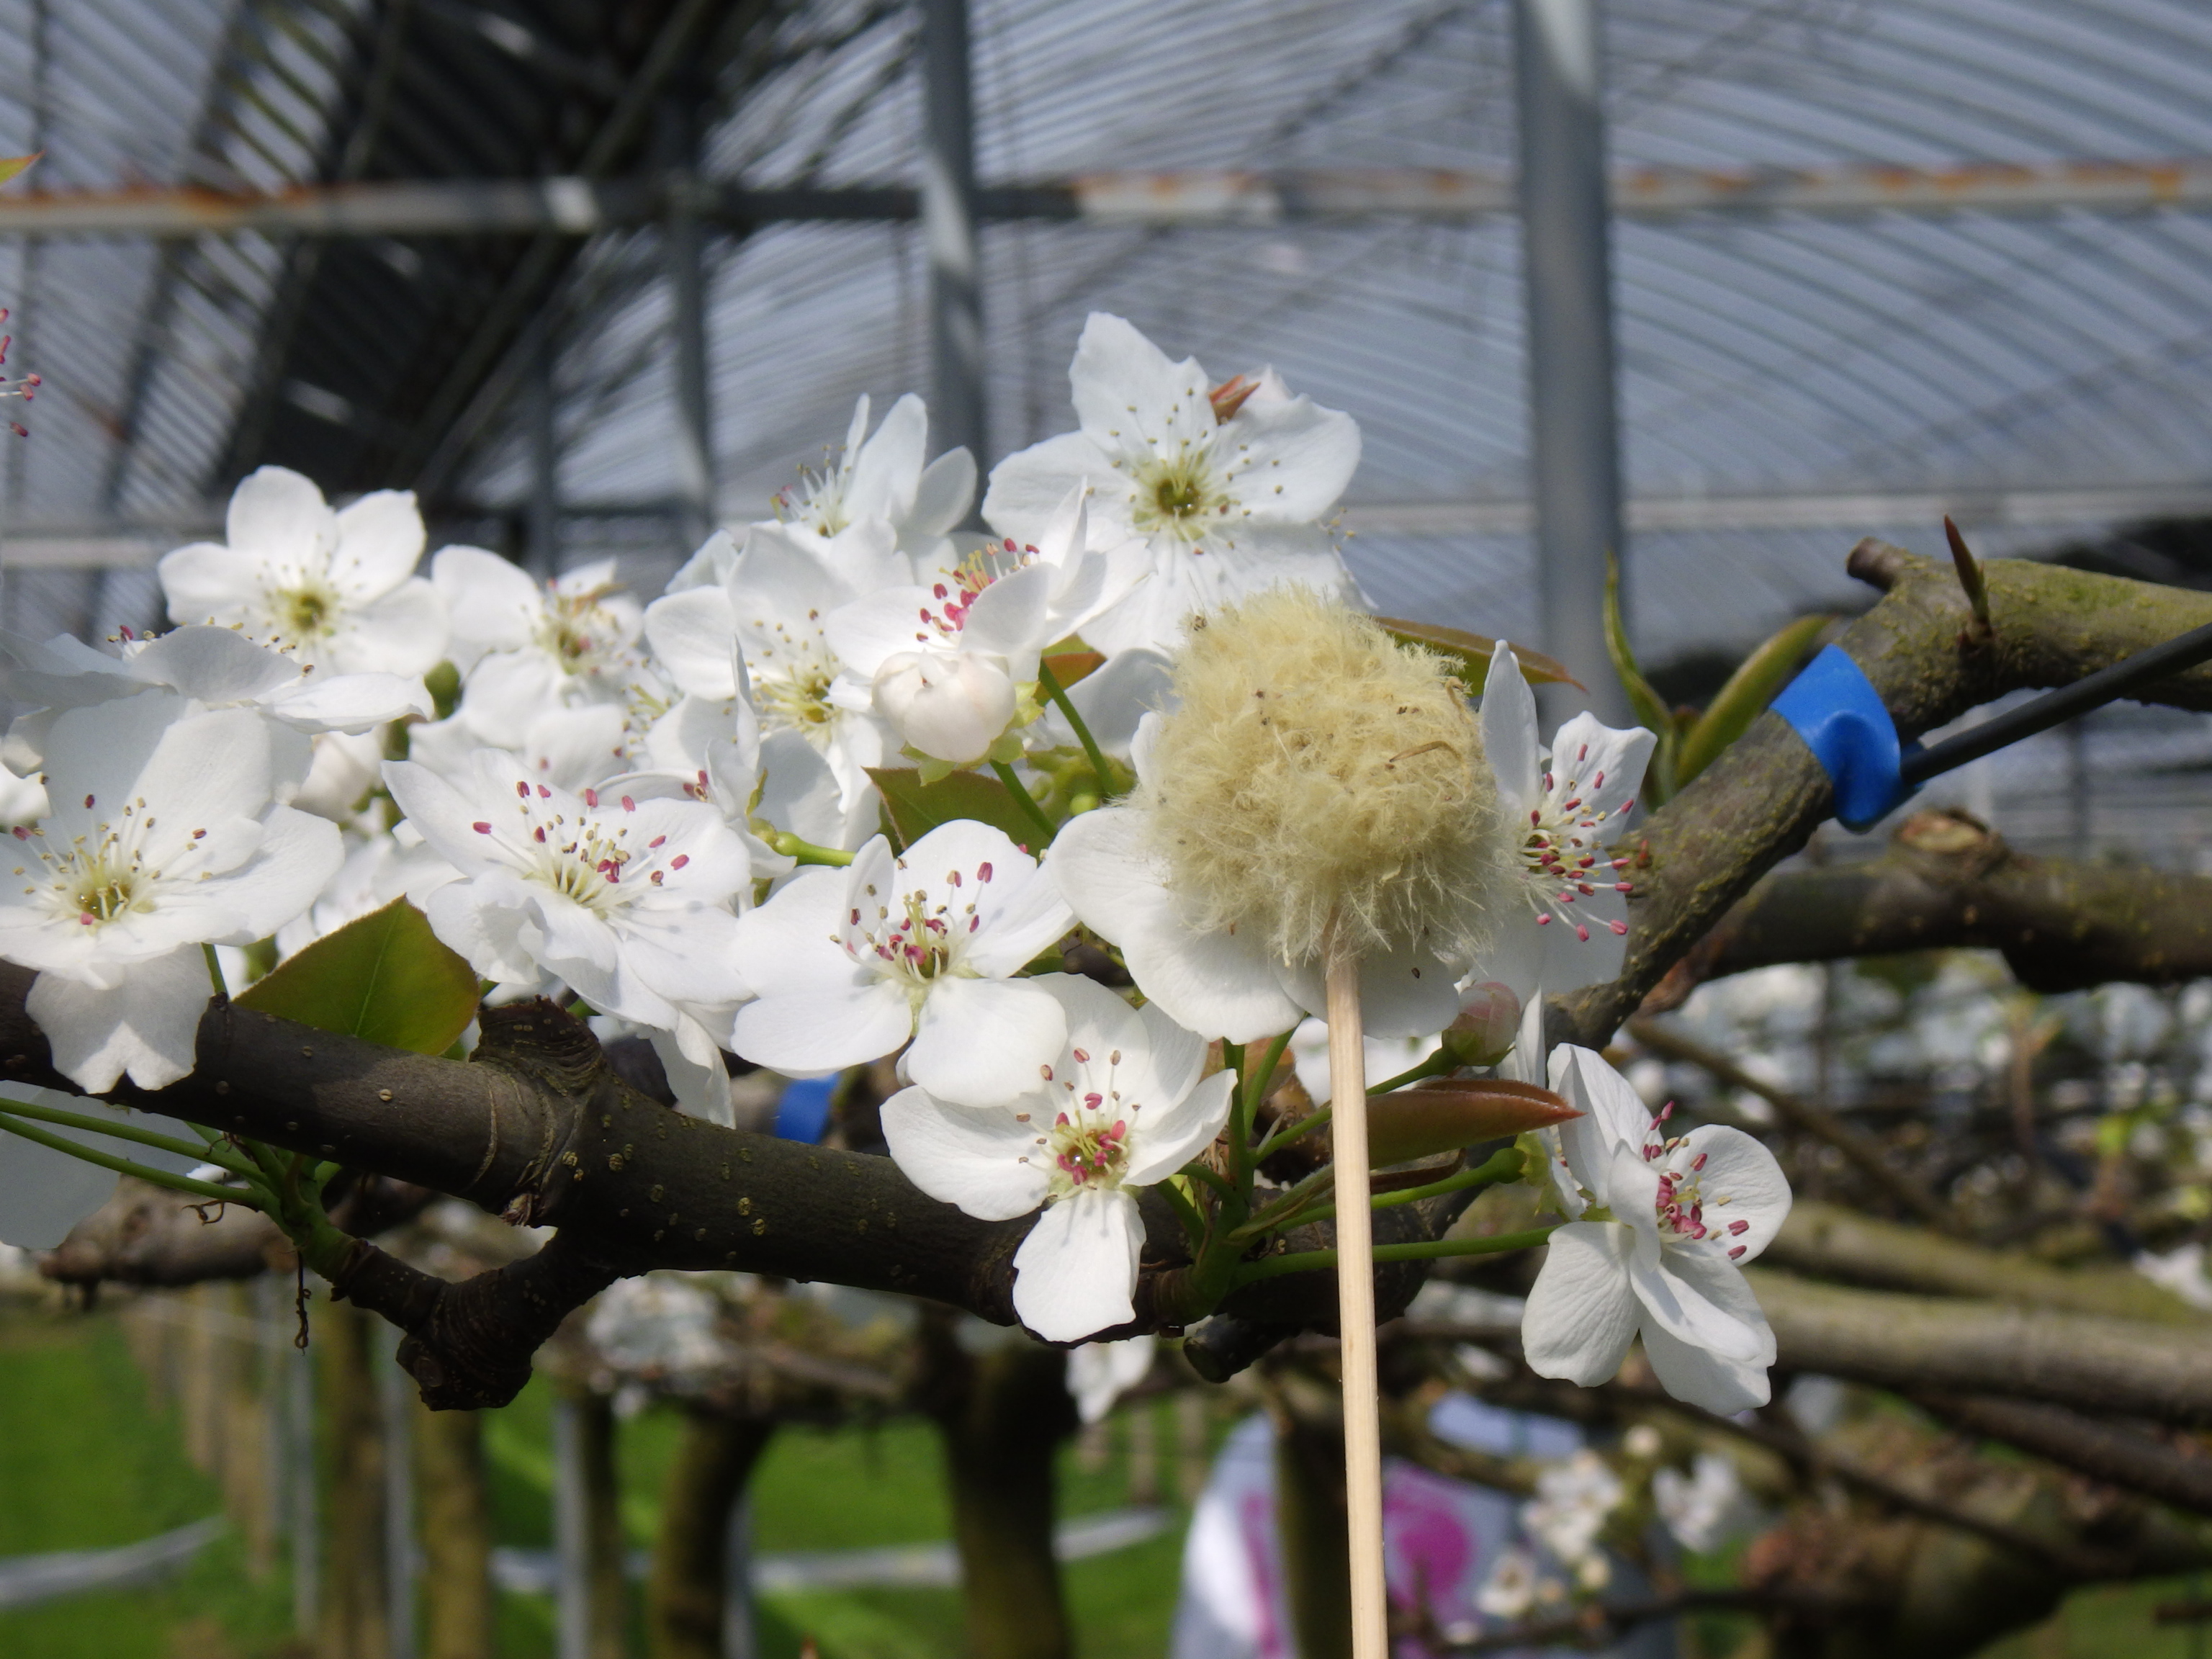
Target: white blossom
766,628
1560,807
628,902
948,661
1573,1501
1124,1105
44,1192
339,588
162,836
216,668
1100,1373
850,963
1226,502
1666,1223
1707,1509
883,478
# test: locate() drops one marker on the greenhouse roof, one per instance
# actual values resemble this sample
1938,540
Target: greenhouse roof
1792,376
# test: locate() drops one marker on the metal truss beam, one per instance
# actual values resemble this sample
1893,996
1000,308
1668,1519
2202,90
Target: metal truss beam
582,207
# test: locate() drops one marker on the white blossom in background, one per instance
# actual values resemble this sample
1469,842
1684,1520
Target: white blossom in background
338,588
951,662
1514,1585
1123,1105
1706,1509
1226,486
850,963
1665,1223
163,836
660,1325
767,625
1574,1498
1562,806
214,667
883,478
379,868
1100,1373
630,903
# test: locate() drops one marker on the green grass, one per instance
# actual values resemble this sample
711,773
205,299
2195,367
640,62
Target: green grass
85,1461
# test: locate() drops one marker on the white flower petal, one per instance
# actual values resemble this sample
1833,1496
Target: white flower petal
1215,984
1580,1314
1169,1133
812,1032
1700,1377
1076,1272
148,1023
980,1042
379,543
1741,1170
968,1159
278,516
1509,738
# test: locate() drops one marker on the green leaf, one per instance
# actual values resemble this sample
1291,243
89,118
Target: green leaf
1474,652
1650,709
14,166
385,977
915,808
1758,678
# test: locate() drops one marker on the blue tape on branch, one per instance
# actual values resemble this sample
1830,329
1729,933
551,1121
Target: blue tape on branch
803,1112
1835,708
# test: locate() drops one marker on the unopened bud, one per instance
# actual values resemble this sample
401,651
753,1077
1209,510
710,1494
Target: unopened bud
1483,1032
953,706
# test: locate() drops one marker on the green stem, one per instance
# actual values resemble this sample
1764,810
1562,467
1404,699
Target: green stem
805,851
1213,1178
1437,1065
1020,792
124,1166
1050,682
1256,1087
1501,1167
198,1151
1193,1223
1307,1261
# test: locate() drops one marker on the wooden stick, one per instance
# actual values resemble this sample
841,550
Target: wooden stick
1355,1297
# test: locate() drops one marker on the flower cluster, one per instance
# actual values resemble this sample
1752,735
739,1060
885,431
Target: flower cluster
860,788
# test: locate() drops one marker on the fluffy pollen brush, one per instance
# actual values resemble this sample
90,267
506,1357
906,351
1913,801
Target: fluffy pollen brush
1317,772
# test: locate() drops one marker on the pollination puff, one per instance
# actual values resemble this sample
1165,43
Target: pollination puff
1314,767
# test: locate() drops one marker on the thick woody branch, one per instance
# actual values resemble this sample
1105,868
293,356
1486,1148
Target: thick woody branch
537,1126
1825,1241
2123,1366
1759,803
2180,1475
1948,882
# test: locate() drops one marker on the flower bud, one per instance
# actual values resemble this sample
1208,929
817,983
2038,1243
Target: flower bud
951,706
1484,1033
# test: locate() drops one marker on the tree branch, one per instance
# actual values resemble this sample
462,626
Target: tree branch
1760,801
1825,1241
2118,1456
1948,882
2094,1363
